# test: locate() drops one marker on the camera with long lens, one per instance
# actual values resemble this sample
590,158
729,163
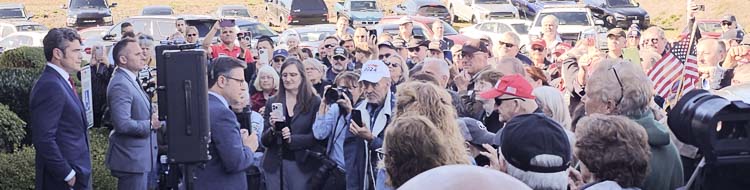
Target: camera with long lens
328,175
720,130
334,94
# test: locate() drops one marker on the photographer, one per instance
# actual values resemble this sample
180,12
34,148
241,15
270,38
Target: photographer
288,137
333,118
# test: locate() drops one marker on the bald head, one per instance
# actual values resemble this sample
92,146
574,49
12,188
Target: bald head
549,26
437,68
463,177
501,50
710,52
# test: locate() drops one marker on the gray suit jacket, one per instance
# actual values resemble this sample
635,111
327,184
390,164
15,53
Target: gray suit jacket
132,143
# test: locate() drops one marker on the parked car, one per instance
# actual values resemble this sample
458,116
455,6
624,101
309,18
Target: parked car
296,12
529,8
233,11
311,36
160,27
19,39
495,28
257,28
157,10
92,36
14,11
359,12
619,13
428,8
83,13
426,24
8,28
573,20
477,11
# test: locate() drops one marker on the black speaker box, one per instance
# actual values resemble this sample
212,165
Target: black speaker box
183,101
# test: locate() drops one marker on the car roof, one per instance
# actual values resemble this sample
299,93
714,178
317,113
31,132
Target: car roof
21,23
157,7
427,2
316,27
11,5
233,7
34,34
421,19
186,17
508,21
247,21
566,8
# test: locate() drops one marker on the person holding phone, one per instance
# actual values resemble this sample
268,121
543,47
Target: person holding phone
288,136
228,35
101,73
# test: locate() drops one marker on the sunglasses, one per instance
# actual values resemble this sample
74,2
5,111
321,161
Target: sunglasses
652,40
192,35
383,56
726,23
499,101
506,44
143,37
279,60
329,46
391,64
414,49
339,58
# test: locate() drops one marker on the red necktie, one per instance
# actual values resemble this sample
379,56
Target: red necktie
73,86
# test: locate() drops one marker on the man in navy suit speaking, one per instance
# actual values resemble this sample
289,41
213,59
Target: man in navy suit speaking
58,124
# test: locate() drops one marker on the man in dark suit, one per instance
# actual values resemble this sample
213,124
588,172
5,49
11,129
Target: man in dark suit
231,148
132,143
58,123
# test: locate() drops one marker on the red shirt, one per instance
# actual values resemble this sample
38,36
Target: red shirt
220,49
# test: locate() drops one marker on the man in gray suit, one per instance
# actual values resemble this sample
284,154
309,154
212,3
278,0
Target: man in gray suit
132,143
231,148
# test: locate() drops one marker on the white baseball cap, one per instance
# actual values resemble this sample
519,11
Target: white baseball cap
374,70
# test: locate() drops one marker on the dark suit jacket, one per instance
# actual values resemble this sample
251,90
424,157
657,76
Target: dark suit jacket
58,127
302,137
132,143
229,157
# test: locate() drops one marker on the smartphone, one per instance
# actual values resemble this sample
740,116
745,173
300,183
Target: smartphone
372,32
263,55
278,108
226,23
357,117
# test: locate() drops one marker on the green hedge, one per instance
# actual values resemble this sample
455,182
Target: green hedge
17,169
11,130
23,57
15,89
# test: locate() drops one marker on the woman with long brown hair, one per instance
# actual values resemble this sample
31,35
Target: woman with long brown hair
288,136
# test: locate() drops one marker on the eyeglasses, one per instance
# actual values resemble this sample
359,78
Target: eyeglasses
499,101
329,46
506,44
538,49
278,60
339,58
145,37
192,35
242,82
383,56
726,23
414,49
622,89
391,64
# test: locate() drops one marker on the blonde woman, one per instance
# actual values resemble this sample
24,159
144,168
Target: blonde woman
266,85
399,70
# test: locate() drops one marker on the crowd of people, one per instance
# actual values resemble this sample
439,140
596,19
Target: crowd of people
391,111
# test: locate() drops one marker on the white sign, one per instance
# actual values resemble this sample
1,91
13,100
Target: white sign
86,94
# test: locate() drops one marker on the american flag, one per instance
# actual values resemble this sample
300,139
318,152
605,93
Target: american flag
677,71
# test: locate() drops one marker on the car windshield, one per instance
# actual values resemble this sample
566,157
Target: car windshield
520,28
157,11
30,28
235,12
309,5
314,36
620,3
364,6
448,30
428,10
11,13
566,18
258,30
87,4
492,2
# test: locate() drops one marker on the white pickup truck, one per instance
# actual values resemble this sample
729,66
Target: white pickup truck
477,11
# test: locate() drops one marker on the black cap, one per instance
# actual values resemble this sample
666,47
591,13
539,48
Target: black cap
416,42
474,131
473,46
340,51
386,44
527,136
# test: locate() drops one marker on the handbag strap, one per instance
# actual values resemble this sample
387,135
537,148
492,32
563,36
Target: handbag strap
334,135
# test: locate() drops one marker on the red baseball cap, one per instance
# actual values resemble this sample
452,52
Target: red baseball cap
514,85
538,42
